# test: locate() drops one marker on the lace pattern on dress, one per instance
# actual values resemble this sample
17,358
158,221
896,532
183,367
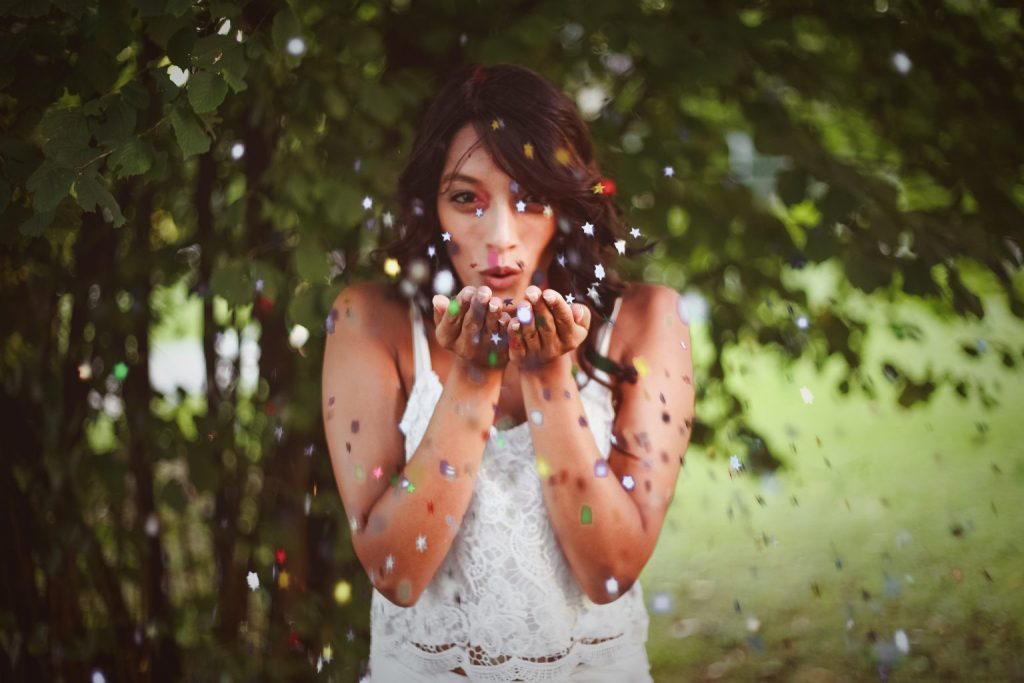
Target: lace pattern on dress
504,605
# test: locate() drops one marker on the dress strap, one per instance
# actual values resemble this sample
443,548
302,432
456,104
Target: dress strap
606,331
420,346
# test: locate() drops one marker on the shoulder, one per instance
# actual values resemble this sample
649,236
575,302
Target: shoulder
644,304
376,307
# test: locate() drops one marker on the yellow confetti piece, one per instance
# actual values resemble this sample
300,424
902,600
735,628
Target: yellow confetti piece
342,592
543,469
328,654
283,579
528,150
391,267
495,125
562,155
641,366
599,188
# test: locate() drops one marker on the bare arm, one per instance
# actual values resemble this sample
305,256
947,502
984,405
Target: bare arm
608,516
403,516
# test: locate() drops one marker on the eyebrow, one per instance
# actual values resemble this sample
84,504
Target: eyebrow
452,177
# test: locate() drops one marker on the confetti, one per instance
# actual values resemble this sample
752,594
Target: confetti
444,283
495,338
634,233
342,592
284,579
548,211
391,267
421,543
599,188
328,654
588,229
628,483
367,203
520,206
389,562
669,171
543,469
561,260
807,395
298,337
431,250
562,155
377,472
620,246
586,517
536,417
599,271
528,150
569,299
388,219
601,468
253,580
641,366
734,463
479,212
447,469
612,586
902,642
524,314
661,603
446,236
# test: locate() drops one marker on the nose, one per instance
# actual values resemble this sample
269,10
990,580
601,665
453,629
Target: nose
500,235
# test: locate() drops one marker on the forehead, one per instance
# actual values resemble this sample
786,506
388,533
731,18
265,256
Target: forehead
468,156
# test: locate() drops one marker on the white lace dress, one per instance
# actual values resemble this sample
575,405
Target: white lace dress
504,605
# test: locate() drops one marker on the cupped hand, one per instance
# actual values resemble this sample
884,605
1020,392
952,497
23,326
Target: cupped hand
472,326
551,328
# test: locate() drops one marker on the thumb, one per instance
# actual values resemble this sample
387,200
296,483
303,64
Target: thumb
580,313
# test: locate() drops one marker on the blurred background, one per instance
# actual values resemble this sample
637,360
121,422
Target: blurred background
835,189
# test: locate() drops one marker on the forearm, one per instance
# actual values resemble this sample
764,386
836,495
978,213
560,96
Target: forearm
593,516
411,527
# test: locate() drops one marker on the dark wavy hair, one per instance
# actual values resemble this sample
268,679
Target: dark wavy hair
510,107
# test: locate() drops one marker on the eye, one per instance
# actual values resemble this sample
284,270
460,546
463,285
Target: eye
533,203
463,197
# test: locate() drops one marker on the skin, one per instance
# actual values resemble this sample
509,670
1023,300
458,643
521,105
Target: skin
616,535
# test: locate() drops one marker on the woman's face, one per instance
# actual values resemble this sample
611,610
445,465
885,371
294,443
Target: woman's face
500,236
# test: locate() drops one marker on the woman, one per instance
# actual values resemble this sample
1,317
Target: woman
506,466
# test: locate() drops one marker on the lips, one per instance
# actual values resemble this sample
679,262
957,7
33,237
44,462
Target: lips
500,271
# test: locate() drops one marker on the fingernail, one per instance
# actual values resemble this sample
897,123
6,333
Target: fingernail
550,296
532,295
493,307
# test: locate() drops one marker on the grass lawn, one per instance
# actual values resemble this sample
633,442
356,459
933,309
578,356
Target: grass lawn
884,520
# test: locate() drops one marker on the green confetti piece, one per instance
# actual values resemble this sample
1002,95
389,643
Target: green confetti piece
492,358
453,307
585,516
360,474
411,487
394,480
120,371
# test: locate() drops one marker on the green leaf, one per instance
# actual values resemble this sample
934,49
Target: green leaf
91,192
274,281
135,94
39,222
311,261
206,91
232,282
178,7
118,123
191,137
133,157
180,46
49,184
286,26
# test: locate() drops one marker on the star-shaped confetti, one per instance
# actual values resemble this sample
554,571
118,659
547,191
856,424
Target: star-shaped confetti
495,124
431,250
734,463
446,236
599,271
253,579
634,232
669,171
599,188
528,150
620,246
328,654
479,212
561,260
592,293
570,298
612,586
548,211
628,483
495,338
588,229
389,562
388,219
391,267
367,203
421,543
520,206
377,472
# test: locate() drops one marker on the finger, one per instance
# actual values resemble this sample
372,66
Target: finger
561,314
473,323
527,328
547,335
451,322
516,344
581,316
440,303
